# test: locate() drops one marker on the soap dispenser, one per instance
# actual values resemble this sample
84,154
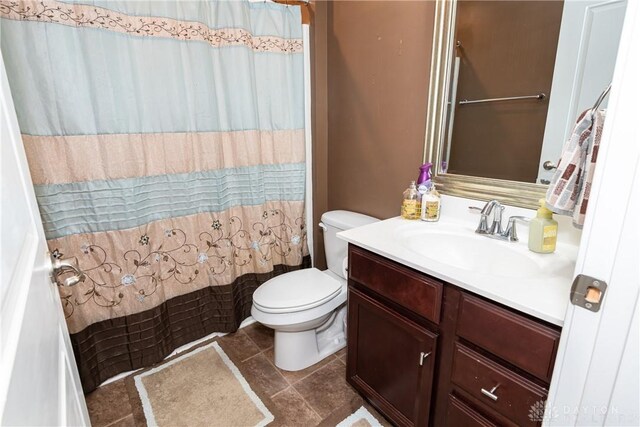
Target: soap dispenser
543,231
410,204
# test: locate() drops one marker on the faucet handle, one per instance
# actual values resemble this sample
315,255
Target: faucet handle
510,232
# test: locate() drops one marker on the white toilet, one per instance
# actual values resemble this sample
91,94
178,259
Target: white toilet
307,308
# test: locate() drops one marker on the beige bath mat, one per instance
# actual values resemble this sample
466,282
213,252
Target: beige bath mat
360,418
200,388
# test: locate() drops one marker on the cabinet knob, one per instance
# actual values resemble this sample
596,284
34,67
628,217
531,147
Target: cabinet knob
423,356
490,393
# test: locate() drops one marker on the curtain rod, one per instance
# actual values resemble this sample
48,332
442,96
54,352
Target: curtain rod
305,8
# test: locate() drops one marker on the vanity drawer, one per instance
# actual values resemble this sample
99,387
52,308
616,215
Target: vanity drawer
414,291
526,344
477,376
461,415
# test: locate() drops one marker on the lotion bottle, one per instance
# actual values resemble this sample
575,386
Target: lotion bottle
543,231
430,209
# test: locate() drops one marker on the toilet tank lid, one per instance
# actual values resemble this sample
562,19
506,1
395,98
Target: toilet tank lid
345,220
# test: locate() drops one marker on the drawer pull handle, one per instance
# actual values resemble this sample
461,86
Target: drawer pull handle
423,356
490,393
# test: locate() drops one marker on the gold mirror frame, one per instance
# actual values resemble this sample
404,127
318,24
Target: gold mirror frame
513,193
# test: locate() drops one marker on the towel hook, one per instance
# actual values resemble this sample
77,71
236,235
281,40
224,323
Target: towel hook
601,98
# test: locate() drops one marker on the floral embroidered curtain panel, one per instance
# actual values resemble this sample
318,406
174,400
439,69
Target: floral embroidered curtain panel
165,141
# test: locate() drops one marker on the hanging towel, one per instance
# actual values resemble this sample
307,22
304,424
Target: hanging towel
568,193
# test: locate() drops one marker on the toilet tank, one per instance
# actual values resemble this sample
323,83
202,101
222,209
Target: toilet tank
333,222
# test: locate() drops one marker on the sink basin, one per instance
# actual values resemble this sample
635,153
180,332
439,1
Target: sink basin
468,251
451,251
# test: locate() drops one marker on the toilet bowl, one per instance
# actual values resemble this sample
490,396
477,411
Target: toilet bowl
307,308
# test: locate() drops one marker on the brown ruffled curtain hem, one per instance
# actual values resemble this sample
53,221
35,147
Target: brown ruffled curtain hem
107,348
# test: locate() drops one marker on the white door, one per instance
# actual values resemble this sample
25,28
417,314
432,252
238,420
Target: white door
596,379
39,381
586,56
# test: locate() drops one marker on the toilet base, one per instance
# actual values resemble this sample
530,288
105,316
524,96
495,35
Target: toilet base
294,351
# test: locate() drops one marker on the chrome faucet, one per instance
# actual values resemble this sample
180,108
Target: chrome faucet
496,231
483,226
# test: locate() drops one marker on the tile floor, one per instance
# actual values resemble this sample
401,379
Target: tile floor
313,396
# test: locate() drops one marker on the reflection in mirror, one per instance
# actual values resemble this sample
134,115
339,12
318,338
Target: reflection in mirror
504,57
520,72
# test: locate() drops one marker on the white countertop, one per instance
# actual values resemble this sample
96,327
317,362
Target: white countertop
544,296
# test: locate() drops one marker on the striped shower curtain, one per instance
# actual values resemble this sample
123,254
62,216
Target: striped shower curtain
165,141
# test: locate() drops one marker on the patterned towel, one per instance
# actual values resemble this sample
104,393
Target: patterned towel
568,193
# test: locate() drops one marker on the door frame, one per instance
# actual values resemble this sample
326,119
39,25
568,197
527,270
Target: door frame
588,381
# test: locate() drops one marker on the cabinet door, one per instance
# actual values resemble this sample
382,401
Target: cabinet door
390,360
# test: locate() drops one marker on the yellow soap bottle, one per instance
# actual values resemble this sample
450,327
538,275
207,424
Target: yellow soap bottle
410,203
543,231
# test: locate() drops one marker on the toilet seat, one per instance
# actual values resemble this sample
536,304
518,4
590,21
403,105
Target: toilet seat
296,291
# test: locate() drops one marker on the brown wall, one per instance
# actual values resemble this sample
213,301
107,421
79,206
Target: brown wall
319,124
379,55
377,68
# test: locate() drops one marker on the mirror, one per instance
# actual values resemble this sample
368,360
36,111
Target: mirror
508,80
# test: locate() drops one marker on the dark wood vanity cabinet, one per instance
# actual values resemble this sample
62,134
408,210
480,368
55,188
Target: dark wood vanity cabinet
391,360
425,352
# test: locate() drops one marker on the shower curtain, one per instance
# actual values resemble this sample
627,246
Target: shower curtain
166,145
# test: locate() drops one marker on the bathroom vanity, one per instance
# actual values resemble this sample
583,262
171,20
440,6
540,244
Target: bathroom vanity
447,326
431,343
423,351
